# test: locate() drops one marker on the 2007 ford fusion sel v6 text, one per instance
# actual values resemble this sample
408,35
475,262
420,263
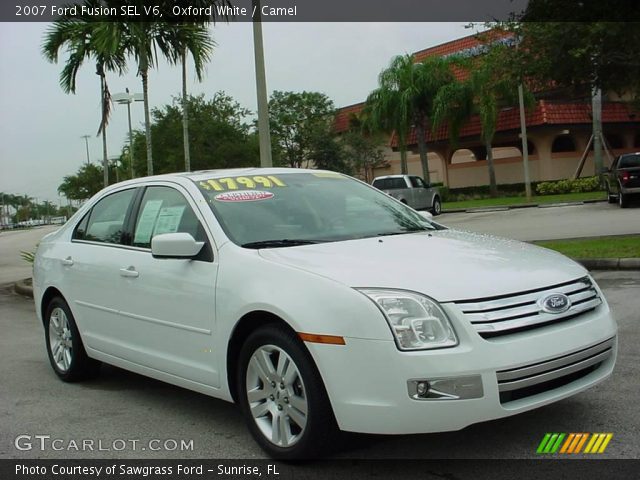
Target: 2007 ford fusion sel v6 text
318,304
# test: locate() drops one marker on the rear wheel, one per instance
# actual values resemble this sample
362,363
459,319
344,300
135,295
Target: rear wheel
437,206
64,345
623,201
282,395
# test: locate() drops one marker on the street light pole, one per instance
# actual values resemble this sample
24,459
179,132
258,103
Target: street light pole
128,98
86,142
264,134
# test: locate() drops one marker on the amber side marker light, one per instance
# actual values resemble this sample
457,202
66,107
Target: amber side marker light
313,338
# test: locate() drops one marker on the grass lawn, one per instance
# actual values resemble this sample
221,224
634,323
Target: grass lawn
627,246
500,201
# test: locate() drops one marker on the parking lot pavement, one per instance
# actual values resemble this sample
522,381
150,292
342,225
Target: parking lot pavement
550,223
12,242
124,406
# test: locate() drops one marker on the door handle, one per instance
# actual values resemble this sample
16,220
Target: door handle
67,262
129,272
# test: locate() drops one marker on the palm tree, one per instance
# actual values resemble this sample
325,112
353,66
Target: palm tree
489,88
84,39
404,99
194,39
389,107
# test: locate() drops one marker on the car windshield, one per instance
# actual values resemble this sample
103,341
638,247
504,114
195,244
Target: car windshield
629,161
290,209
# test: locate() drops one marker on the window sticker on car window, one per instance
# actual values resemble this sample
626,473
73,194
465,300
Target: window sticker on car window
169,220
147,221
238,183
243,196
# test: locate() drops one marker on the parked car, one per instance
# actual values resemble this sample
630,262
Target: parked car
623,178
318,304
412,190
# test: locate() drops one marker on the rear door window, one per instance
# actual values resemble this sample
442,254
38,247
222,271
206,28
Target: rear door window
105,221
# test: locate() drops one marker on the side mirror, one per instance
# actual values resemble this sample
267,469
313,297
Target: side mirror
606,170
175,245
425,214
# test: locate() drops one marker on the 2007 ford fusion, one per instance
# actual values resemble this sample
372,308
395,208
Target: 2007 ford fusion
318,304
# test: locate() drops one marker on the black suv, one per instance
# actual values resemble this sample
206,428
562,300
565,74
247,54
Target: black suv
623,178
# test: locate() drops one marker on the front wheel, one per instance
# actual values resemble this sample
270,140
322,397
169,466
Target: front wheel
610,198
64,345
282,395
437,206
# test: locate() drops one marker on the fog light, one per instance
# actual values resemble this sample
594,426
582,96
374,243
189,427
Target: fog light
422,388
446,388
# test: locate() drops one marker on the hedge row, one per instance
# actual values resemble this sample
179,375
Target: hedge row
587,184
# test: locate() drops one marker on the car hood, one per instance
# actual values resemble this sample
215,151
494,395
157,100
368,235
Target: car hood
447,265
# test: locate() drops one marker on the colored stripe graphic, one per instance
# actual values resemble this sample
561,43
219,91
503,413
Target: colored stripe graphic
572,443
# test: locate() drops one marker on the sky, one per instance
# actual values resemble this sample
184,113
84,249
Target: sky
41,127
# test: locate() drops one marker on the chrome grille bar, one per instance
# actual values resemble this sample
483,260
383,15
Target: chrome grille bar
499,316
527,376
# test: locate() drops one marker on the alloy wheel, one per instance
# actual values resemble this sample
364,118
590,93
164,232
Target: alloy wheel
60,339
276,395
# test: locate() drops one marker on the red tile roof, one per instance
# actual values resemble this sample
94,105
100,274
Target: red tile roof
544,113
344,115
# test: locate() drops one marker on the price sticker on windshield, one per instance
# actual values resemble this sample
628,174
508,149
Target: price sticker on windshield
241,183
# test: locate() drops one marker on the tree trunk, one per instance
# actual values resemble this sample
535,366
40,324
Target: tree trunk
144,73
422,147
403,155
105,155
185,114
493,189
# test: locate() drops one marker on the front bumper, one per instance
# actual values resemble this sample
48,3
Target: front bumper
367,379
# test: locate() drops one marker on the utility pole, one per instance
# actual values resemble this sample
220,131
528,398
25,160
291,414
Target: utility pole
525,144
264,133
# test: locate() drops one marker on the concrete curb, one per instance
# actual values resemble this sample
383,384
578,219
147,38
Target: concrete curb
610,263
499,208
22,288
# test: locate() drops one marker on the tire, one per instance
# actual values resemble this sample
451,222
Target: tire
610,198
437,206
276,413
66,352
623,200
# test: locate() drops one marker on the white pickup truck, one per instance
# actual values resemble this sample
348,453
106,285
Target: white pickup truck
412,190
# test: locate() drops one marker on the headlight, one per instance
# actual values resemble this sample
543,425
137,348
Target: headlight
417,322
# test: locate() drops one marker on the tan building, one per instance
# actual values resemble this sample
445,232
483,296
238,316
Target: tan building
558,132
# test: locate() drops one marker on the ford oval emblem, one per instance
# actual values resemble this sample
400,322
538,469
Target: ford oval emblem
555,303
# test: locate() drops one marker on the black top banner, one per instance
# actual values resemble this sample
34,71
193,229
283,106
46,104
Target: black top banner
324,10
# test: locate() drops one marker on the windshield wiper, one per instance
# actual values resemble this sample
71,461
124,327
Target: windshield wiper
285,242
402,232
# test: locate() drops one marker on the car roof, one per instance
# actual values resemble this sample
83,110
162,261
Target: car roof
200,175
389,176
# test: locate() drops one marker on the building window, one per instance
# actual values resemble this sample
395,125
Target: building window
563,143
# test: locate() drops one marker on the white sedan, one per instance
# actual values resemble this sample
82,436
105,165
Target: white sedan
318,304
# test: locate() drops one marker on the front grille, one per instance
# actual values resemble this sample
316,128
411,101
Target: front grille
521,382
508,314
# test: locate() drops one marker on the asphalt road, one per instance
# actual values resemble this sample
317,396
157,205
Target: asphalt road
550,223
124,406
12,242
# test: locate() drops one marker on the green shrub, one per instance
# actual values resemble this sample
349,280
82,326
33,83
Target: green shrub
587,184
